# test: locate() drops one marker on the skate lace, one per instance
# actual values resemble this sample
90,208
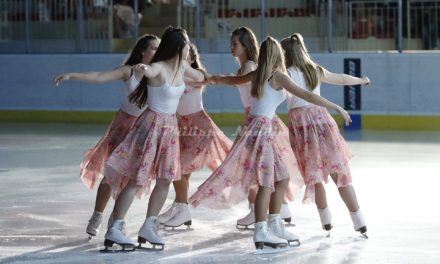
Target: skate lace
120,226
277,227
170,211
156,226
174,211
123,229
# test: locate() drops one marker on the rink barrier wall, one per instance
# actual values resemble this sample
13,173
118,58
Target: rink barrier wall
403,95
372,122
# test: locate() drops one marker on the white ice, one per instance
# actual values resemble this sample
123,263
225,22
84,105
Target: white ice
45,207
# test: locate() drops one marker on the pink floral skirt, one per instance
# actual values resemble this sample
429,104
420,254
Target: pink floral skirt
149,152
256,159
282,138
92,166
318,147
202,143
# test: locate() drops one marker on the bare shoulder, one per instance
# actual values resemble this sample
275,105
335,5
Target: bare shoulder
279,75
248,67
156,65
274,81
251,64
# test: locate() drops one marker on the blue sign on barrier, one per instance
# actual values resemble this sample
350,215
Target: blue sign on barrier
352,93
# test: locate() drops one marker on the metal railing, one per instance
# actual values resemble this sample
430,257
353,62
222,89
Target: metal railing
218,18
37,26
331,25
423,25
47,26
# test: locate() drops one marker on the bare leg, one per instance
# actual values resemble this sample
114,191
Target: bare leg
277,197
158,197
181,187
320,196
262,203
102,196
347,194
252,196
123,203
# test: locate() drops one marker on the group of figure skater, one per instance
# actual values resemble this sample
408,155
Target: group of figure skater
162,132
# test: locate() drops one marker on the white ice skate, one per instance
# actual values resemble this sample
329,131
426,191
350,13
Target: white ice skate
359,222
276,226
94,224
115,235
149,233
286,214
326,219
168,214
182,217
248,220
265,241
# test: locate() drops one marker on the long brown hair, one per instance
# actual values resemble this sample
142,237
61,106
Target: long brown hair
172,43
142,44
297,56
269,60
248,41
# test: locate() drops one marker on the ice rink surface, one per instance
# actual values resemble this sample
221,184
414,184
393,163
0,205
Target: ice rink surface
45,207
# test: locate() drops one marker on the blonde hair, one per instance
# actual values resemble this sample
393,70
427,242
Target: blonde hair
270,59
247,39
297,55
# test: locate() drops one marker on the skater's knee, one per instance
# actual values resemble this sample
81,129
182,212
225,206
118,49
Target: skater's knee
334,177
347,189
264,190
162,183
319,186
282,185
186,176
104,184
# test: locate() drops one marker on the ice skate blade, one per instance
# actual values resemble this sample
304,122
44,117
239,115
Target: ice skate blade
171,228
245,227
90,235
262,244
155,247
123,250
363,231
125,247
270,250
294,243
327,227
142,240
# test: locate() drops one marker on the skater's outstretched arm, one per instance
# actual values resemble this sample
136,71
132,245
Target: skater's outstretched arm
121,73
248,67
149,71
231,79
283,80
194,75
343,79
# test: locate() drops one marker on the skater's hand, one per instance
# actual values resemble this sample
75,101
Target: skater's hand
140,67
366,81
210,80
345,115
58,79
214,79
